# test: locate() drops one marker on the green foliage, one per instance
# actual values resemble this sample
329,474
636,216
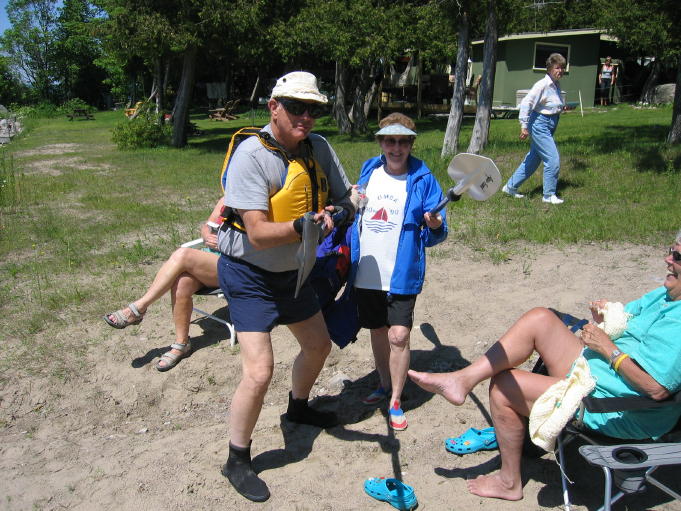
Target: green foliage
39,110
143,131
77,47
30,43
647,27
76,103
12,90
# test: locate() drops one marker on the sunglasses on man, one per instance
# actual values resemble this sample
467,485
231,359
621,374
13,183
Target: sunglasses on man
676,255
295,107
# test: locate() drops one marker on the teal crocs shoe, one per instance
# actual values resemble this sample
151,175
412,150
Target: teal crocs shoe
473,440
393,491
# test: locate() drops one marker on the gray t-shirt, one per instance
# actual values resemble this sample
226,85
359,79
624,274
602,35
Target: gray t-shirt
255,174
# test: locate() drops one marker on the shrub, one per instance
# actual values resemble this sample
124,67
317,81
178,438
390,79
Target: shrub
39,110
74,104
142,131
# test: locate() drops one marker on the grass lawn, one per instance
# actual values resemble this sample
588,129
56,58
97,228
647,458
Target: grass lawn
80,220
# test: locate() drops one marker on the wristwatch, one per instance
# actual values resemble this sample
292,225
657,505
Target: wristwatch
613,356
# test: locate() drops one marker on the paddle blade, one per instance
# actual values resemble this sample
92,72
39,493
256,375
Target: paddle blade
480,174
307,252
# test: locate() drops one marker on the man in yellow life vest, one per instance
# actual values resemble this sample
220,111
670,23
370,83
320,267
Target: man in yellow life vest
271,181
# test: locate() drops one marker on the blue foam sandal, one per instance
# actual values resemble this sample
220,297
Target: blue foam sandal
393,491
473,440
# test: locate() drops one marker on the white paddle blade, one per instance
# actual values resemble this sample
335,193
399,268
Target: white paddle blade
307,252
477,175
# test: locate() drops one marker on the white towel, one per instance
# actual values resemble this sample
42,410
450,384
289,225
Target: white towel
558,404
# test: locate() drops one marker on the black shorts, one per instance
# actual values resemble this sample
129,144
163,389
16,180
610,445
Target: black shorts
378,309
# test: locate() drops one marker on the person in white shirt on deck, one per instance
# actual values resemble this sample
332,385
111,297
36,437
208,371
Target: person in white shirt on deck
539,114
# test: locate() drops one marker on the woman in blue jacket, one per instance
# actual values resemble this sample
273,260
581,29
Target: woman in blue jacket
388,252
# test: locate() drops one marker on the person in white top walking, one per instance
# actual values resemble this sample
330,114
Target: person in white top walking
388,245
539,114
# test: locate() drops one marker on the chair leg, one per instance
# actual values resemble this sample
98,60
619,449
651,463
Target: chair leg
563,477
658,484
230,327
608,498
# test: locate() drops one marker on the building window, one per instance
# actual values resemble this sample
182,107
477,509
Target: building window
543,50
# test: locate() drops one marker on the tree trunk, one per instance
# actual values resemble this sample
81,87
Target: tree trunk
184,93
674,136
166,77
254,94
451,142
419,86
379,110
362,86
157,86
649,86
489,61
339,113
376,80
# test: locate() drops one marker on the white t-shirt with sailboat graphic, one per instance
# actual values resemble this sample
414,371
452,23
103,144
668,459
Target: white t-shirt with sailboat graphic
380,230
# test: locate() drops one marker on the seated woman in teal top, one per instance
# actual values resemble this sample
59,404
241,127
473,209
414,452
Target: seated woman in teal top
653,340
645,360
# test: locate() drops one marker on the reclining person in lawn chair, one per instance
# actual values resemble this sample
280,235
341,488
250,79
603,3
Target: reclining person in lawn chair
642,360
185,272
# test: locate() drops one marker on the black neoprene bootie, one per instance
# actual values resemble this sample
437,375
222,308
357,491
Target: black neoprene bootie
240,473
300,412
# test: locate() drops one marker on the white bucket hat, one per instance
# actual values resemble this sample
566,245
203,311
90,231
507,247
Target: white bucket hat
299,85
395,129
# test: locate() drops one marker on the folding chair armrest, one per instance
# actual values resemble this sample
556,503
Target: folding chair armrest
623,404
193,243
632,456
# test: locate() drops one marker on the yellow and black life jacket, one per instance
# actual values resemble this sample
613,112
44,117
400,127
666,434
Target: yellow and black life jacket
305,188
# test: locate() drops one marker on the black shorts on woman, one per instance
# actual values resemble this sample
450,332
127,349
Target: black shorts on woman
378,309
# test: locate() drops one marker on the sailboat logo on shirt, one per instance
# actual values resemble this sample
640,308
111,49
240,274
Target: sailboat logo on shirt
379,222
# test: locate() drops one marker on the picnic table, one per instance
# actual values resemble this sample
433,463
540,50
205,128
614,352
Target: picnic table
82,113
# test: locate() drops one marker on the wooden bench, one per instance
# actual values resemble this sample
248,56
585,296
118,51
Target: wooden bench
224,114
80,112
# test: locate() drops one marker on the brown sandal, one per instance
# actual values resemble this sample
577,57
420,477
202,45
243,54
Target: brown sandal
120,320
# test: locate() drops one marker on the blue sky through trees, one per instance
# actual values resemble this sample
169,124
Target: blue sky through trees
4,21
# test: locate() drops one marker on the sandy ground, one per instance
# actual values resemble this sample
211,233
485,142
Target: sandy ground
117,434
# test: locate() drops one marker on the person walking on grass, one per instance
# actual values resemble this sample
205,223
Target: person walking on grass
272,181
539,114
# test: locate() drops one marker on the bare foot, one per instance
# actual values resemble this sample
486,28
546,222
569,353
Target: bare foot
493,486
448,385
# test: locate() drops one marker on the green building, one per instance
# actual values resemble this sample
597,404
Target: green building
521,61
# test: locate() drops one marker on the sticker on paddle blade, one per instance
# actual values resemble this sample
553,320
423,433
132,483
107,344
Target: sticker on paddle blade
474,174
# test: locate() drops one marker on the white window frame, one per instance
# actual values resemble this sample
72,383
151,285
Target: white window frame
555,45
